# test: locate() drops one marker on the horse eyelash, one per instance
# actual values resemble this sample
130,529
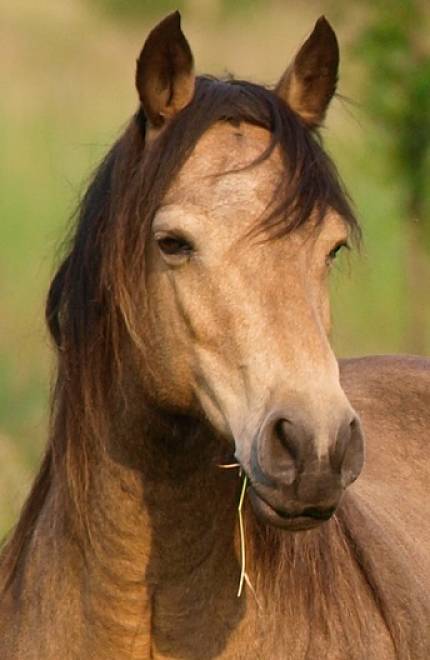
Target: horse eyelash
337,248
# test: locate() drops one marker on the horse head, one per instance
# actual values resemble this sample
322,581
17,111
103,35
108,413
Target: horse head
207,238
239,255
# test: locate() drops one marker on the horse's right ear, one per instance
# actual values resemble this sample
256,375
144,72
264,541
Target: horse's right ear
165,76
309,83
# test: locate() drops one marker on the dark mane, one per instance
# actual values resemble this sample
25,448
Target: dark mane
96,301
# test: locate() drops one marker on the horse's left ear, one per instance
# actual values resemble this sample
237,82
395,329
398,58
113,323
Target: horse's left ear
309,83
165,71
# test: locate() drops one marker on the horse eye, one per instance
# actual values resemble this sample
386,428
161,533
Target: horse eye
335,251
174,245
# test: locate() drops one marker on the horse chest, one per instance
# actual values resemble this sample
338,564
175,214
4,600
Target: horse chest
253,632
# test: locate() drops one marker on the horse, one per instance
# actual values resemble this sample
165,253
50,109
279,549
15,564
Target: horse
202,429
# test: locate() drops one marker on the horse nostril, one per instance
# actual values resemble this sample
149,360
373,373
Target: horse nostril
284,431
338,450
348,455
278,449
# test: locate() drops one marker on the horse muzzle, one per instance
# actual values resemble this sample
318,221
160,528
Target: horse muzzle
297,475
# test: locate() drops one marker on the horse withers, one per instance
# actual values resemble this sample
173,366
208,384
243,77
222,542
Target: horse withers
191,322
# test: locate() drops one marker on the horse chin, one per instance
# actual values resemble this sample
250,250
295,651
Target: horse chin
292,521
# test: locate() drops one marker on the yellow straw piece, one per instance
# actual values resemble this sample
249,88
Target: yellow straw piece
243,575
229,466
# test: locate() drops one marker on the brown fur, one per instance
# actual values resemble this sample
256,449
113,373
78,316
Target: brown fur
128,544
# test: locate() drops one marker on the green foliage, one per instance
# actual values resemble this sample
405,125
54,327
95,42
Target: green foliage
394,48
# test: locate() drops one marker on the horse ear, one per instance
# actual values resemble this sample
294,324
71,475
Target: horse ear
309,83
165,71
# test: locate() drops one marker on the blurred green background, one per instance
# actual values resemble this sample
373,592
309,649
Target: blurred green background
66,72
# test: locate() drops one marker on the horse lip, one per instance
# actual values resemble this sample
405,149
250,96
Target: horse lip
307,512
305,518
318,513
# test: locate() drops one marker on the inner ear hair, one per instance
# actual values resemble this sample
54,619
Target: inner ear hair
309,83
165,77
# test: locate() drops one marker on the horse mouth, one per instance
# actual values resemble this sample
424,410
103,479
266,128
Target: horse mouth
300,520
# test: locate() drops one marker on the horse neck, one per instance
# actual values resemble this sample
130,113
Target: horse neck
161,516
160,565
189,501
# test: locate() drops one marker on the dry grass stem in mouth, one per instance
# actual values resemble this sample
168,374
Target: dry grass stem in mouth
229,466
243,575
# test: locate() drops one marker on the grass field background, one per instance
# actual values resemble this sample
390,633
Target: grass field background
67,73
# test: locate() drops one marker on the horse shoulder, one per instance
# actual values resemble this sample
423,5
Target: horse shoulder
389,374
390,515
392,396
